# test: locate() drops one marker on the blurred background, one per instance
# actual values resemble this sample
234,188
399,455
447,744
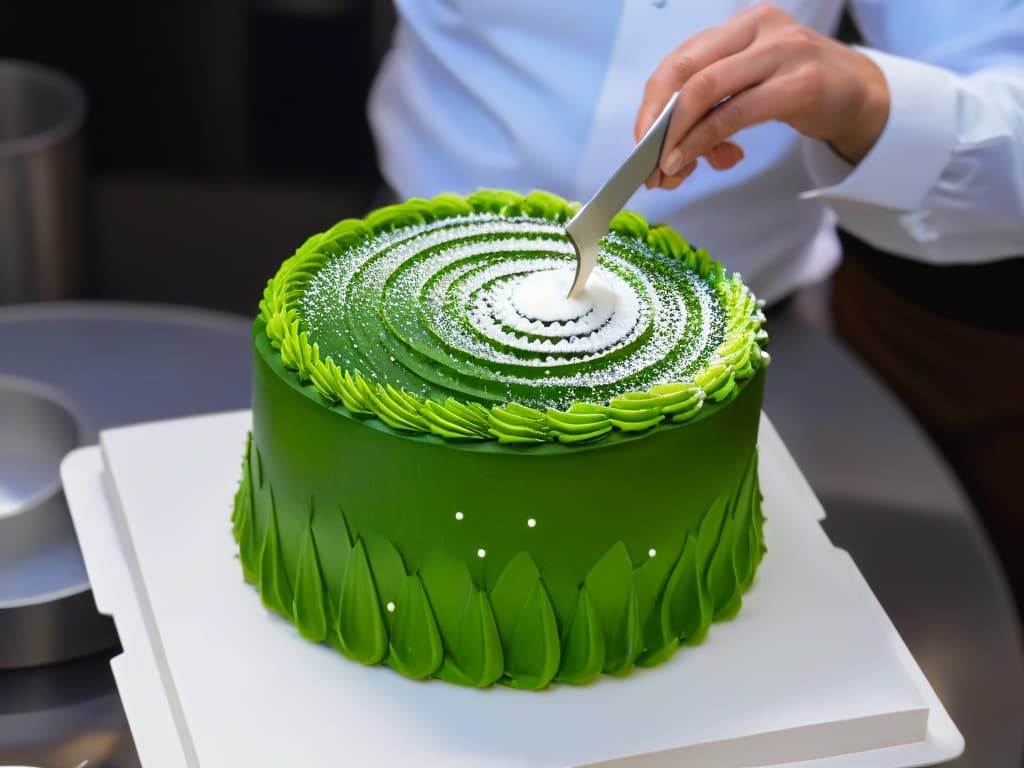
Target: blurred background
214,132
158,161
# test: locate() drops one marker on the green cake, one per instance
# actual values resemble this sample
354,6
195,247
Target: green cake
458,472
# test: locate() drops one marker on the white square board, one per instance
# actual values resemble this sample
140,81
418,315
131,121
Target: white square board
811,667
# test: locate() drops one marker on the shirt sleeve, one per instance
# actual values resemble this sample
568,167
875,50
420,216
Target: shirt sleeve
944,182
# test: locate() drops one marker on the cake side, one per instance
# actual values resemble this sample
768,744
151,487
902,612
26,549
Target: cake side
476,563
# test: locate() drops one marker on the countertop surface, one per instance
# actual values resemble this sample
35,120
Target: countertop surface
890,500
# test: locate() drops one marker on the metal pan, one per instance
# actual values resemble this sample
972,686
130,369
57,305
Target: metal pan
46,609
38,426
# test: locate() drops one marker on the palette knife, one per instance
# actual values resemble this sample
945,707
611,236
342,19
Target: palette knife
590,223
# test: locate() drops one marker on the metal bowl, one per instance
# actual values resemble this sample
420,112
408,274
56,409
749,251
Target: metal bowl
46,609
38,427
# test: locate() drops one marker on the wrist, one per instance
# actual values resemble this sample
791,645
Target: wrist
870,112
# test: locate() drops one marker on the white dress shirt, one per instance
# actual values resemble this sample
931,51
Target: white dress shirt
542,94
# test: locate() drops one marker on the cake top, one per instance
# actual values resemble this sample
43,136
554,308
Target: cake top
449,316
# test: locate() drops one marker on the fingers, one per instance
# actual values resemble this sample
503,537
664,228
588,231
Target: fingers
724,156
654,180
671,182
708,88
721,158
770,100
690,57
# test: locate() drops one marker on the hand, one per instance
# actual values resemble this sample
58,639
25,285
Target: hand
761,65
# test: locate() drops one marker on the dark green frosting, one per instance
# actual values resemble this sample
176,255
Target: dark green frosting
411,316
522,540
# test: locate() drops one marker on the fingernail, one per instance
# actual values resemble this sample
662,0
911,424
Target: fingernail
672,163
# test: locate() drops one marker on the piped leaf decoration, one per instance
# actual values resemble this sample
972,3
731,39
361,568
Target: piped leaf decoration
250,546
344,234
509,592
545,205
387,568
658,567
243,490
244,523
629,223
246,539
686,610
447,206
308,606
275,589
415,649
526,623
360,630
756,551
722,582
563,590
583,647
327,379
333,546
743,511
535,650
646,600
493,200
758,528
392,217
258,476
476,658
262,503
464,619
666,240
659,643
448,585
711,531
610,584
743,555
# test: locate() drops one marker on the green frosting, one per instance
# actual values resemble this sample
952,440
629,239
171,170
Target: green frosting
416,649
442,624
470,518
401,589
309,606
359,630
405,316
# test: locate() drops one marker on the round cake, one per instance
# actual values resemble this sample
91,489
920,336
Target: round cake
456,471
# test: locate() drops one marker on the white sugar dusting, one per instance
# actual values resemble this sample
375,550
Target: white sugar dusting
485,296
506,311
543,296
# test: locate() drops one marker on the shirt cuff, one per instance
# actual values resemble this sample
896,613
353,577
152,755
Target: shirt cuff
913,149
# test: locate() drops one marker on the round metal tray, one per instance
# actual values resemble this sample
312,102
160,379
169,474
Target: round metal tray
46,609
38,426
103,365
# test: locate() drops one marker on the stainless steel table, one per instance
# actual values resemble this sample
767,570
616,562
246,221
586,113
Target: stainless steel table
890,501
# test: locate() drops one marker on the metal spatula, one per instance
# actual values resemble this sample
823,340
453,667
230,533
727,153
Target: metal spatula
590,223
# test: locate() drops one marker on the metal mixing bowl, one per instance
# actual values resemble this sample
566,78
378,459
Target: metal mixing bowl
46,609
38,426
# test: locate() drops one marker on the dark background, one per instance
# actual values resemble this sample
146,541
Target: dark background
220,134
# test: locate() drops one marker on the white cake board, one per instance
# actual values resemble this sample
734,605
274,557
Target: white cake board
811,669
